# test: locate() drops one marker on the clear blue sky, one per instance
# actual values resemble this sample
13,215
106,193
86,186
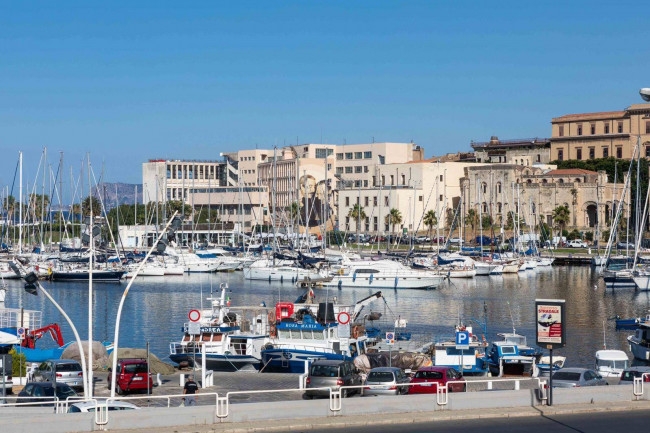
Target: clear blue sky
163,80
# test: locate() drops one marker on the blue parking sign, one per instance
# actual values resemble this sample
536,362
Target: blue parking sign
462,340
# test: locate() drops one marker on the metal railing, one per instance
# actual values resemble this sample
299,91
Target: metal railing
637,385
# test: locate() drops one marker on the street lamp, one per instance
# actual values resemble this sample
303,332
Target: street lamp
31,286
175,223
645,93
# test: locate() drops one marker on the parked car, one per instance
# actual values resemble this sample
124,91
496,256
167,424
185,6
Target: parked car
331,373
625,245
576,243
577,377
435,376
38,390
131,376
390,378
66,371
455,240
628,375
91,406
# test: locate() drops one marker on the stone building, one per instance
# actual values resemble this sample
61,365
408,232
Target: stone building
523,151
601,135
534,192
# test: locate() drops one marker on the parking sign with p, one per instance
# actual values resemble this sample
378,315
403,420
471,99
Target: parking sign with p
462,340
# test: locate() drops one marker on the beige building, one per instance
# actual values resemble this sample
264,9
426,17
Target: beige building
412,188
164,180
242,205
526,151
534,192
241,166
601,135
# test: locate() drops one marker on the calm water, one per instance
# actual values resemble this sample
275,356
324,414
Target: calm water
156,308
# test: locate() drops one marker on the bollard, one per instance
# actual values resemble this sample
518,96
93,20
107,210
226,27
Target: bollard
182,378
516,385
489,385
158,379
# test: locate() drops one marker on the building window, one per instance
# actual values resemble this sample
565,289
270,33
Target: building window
620,127
484,187
560,155
374,202
605,152
365,183
498,187
579,129
348,169
348,155
386,201
339,156
339,170
592,153
392,179
593,129
647,127
347,201
366,201
358,155
606,128
366,169
323,153
647,151
619,152
440,178
440,197
561,131
403,179
383,179
358,169
367,155
329,167
485,209
498,207
539,158
374,181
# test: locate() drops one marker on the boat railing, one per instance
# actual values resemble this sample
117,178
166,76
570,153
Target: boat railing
305,347
179,348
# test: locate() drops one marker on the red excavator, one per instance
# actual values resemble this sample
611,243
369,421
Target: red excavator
36,334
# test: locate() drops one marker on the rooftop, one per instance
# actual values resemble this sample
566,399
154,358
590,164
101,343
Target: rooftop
569,172
518,142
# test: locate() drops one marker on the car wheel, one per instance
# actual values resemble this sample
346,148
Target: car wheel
118,389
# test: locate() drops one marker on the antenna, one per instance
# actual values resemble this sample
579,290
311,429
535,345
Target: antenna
604,337
514,331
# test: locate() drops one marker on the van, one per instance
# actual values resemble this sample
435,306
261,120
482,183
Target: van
330,373
132,375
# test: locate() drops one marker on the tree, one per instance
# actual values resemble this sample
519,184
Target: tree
486,222
431,220
394,218
357,214
561,217
574,194
9,204
294,210
97,206
471,219
38,202
177,205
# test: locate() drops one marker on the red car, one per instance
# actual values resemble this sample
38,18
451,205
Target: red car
131,376
437,375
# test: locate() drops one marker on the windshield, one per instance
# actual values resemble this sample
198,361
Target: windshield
508,350
324,371
380,376
135,368
565,375
428,375
619,364
64,391
520,341
68,367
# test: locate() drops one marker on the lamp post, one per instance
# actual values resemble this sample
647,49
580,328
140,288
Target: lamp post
175,222
32,284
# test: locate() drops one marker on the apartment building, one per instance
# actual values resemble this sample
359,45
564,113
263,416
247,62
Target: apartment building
412,188
164,179
601,135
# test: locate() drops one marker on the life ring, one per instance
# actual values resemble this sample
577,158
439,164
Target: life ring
271,317
355,331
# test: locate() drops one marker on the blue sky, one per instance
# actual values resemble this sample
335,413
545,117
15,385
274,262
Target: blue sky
128,83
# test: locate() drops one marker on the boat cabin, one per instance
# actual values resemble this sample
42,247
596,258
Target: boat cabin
611,363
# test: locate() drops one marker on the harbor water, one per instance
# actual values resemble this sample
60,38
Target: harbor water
157,307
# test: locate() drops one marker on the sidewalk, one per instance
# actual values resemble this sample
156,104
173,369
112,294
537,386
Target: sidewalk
415,417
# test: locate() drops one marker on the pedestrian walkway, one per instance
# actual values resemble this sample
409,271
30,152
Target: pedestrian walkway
415,417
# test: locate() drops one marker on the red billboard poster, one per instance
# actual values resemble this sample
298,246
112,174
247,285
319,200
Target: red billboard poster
550,318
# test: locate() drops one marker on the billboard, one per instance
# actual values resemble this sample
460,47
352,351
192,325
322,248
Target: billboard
550,323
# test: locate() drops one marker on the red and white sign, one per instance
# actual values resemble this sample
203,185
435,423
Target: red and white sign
195,315
343,318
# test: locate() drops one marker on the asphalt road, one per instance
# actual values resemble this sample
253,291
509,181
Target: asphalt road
628,421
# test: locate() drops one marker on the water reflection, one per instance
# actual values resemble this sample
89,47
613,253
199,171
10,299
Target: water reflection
157,307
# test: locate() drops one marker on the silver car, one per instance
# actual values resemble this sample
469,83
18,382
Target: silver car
577,377
66,371
390,379
331,374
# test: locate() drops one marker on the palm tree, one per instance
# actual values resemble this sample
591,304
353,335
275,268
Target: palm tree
574,194
430,220
471,219
561,217
394,217
357,214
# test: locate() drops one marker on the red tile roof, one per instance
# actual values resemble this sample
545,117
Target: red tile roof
587,116
569,172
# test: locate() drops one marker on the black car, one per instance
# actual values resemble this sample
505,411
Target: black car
41,390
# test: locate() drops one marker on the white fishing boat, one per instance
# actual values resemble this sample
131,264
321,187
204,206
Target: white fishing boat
640,342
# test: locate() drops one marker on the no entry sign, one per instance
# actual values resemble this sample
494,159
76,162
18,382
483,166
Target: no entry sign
195,315
343,318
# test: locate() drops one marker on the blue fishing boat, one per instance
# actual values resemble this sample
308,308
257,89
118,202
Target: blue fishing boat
632,323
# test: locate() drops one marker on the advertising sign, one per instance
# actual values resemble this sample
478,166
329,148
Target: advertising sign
550,323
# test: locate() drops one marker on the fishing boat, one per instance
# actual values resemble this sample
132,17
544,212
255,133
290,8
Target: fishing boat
632,323
611,363
468,361
640,342
305,331
383,274
504,358
229,339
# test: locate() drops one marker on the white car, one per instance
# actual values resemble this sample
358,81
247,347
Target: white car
576,243
91,406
